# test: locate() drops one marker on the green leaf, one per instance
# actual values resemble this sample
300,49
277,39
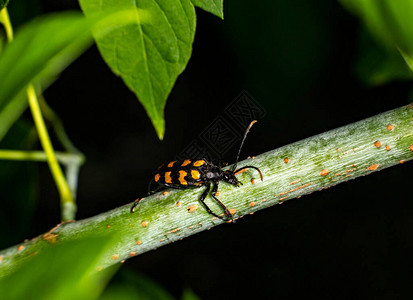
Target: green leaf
131,285
65,271
149,54
35,55
188,294
3,3
391,21
377,65
215,7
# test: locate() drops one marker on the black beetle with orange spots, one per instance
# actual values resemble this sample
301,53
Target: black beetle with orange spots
196,173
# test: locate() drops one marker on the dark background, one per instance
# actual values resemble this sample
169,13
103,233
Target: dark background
296,58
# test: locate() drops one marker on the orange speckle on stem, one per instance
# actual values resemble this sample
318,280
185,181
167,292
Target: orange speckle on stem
138,242
114,257
390,127
132,254
122,261
295,181
253,181
50,237
411,147
144,223
388,147
293,190
218,193
286,160
165,193
99,269
377,144
178,203
232,210
107,226
20,248
263,200
373,167
192,208
401,161
1,258
337,150
252,204
174,230
324,172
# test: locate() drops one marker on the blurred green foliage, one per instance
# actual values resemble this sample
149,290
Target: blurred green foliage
3,3
392,24
66,271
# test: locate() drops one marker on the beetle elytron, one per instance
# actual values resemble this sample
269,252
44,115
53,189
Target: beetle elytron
195,173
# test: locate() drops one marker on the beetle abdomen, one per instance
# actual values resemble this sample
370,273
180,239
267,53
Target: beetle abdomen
183,173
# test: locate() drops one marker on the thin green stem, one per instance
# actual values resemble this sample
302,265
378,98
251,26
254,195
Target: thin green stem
68,205
4,17
64,158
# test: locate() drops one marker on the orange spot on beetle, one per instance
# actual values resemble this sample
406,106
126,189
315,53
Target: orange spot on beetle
388,147
181,178
324,172
199,163
390,127
157,176
373,167
171,164
195,174
168,178
186,162
377,144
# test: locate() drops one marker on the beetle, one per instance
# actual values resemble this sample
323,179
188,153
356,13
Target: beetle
188,173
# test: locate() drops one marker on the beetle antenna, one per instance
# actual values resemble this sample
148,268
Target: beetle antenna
242,143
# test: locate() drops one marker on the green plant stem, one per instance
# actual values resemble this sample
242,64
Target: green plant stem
68,205
289,172
5,20
64,158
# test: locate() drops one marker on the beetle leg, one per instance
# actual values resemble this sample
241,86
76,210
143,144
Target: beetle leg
213,193
203,196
